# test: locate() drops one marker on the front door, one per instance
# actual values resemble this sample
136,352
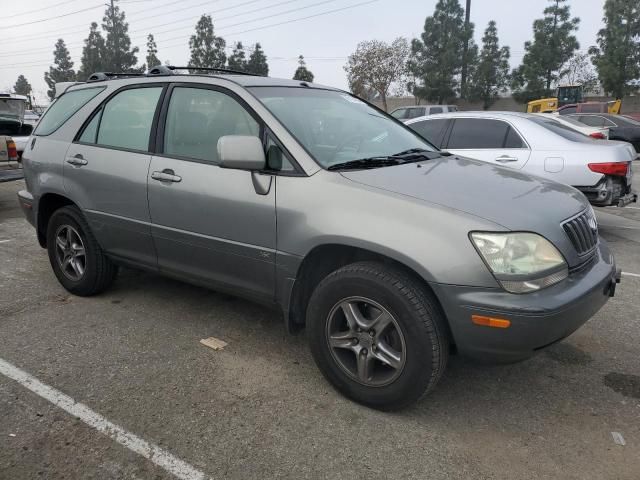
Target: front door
105,171
489,140
209,224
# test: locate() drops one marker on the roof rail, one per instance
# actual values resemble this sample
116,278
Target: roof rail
102,76
170,70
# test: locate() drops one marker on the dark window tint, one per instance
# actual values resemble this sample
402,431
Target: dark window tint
568,110
592,120
514,140
432,130
63,109
562,130
452,108
416,112
474,133
127,118
197,118
276,159
435,110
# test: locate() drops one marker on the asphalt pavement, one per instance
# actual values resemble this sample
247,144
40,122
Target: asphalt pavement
259,408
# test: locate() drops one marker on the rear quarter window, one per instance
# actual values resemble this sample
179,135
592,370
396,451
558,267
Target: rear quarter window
64,108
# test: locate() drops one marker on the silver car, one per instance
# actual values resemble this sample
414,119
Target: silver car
392,254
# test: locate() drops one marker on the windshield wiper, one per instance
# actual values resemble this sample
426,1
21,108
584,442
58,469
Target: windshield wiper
365,163
419,154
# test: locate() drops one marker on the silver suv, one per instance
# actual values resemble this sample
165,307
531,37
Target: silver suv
392,254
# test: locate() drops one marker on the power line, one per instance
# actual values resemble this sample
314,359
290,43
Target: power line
4,17
57,16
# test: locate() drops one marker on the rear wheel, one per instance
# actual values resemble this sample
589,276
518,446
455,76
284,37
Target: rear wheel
75,255
377,335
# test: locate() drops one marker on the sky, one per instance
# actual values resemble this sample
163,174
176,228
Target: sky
324,31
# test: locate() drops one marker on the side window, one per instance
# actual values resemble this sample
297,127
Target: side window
435,110
416,112
399,113
476,133
127,118
431,130
276,159
608,123
514,140
63,109
91,130
198,117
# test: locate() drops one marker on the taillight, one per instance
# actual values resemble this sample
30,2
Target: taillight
598,135
12,150
618,168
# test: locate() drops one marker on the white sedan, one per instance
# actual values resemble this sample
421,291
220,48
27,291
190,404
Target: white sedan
593,132
601,169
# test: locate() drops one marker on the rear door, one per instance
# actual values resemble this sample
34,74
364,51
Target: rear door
490,140
105,171
433,130
209,223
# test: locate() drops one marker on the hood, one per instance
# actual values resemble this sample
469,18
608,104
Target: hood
515,200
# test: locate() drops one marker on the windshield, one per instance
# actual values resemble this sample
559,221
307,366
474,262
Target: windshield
12,108
335,127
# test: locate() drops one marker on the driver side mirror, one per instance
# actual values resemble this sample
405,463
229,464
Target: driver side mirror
241,152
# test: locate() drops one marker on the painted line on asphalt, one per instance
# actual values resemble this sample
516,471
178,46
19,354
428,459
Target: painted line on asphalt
154,453
630,274
5,241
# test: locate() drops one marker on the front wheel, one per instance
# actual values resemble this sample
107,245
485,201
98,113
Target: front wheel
377,335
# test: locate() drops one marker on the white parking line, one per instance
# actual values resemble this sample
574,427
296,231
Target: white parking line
631,274
4,241
155,454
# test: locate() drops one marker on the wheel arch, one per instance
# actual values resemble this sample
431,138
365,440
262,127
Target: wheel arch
326,258
47,205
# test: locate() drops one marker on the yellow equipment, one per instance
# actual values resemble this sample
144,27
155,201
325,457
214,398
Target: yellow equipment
566,94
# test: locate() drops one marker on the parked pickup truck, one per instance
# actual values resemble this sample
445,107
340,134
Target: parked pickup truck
12,122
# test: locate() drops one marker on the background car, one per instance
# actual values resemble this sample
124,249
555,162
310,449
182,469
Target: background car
405,113
601,133
601,169
620,127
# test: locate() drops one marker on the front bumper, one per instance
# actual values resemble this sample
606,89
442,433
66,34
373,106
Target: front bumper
537,319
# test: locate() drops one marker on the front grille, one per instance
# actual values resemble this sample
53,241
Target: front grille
583,232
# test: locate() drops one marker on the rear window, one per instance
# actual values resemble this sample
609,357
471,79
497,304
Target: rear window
64,108
562,130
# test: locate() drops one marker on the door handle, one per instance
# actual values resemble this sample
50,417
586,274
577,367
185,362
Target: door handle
506,159
77,160
166,175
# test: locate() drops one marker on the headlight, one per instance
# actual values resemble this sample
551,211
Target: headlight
521,262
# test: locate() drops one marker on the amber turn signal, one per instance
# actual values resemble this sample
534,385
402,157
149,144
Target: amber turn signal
490,321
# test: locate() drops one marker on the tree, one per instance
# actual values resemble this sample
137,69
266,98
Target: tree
118,56
376,66
61,70
552,46
303,73
436,58
579,71
152,52
492,73
22,86
207,50
93,54
238,59
258,62
617,56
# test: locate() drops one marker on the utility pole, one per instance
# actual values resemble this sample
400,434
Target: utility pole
116,37
465,50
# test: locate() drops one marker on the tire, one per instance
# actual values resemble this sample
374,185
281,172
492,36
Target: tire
97,271
417,330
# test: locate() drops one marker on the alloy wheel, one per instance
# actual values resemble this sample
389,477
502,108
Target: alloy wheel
70,252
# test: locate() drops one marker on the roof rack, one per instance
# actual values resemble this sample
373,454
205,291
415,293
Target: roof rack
170,70
102,76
